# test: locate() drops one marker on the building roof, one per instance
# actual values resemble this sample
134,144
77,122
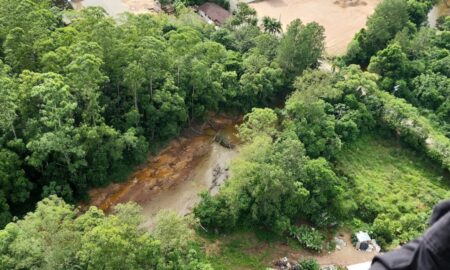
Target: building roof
215,12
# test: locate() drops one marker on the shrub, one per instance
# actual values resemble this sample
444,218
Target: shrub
308,237
309,264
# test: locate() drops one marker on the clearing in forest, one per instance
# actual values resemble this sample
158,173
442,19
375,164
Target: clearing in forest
342,19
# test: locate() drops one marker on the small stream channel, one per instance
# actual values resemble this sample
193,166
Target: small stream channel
172,179
440,9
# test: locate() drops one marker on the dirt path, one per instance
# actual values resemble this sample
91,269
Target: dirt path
342,19
348,255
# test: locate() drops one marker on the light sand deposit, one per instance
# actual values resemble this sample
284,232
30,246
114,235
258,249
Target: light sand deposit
117,7
342,19
143,6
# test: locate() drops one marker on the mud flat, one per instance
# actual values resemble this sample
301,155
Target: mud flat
172,179
342,19
117,7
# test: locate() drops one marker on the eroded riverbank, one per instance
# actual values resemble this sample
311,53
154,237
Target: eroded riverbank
172,179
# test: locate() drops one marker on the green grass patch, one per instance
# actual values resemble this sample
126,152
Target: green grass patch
239,250
394,187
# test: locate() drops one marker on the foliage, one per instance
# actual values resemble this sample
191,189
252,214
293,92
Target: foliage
257,123
308,264
271,25
308,237
83,103
300,47
56,236
412,67
390,17
172,231
242,249
299,186
394,187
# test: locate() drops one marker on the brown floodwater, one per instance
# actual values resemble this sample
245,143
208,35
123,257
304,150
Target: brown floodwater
440,9
117,7
342,19
173,178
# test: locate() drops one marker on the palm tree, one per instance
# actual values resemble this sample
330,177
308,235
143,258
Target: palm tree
271,25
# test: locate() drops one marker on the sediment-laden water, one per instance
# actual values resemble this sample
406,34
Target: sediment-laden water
172,179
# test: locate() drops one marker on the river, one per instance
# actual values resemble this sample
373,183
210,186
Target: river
438,10
173,178
117,7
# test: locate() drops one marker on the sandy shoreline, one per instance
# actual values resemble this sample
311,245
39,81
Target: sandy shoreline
341,20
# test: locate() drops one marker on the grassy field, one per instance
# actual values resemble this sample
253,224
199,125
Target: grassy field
393,185
241,250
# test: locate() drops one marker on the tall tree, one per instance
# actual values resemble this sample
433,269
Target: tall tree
271,25
301,47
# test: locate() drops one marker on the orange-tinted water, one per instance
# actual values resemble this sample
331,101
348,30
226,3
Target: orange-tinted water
173,178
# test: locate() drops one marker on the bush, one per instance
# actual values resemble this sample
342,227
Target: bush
309,264
215,212
308,237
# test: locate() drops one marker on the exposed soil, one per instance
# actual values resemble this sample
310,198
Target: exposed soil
271,253
342,19
143,6
173,178
348,255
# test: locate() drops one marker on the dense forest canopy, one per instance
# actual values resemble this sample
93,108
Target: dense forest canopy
83,103
56,236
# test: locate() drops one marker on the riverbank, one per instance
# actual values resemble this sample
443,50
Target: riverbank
172,179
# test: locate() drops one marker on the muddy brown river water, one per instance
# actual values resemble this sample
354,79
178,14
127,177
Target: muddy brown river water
117,7
440,9
174,177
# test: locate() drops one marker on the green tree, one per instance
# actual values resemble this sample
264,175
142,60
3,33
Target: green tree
244,15
172,231
390,17
258,122
390,62
57,236
313,126
271,25
301,47
14,184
